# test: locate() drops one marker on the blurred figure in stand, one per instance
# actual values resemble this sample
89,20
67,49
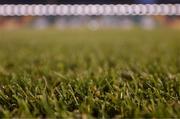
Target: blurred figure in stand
147,22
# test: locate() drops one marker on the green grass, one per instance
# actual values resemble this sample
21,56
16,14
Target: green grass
80,73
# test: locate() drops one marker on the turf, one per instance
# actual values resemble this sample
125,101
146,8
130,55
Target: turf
90,74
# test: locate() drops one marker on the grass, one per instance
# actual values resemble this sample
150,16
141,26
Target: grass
81,73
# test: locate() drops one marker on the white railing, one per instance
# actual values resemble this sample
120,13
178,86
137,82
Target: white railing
55,10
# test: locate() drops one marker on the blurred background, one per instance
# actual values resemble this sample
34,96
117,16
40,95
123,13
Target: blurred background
89,1
92,22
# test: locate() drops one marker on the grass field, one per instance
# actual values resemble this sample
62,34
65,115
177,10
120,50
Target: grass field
81,73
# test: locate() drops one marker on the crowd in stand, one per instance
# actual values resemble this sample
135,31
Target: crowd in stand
92,21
